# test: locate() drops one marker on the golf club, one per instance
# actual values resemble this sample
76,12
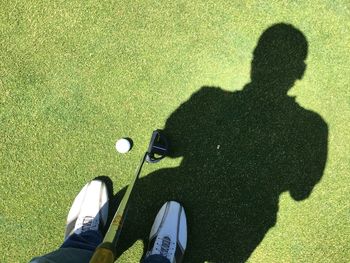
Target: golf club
106,252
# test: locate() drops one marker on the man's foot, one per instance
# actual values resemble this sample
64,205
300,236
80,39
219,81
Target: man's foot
168,236
89,210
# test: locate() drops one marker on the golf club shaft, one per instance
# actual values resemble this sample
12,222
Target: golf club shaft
117,222
106,251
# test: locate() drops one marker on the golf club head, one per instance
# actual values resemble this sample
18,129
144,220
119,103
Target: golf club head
158,147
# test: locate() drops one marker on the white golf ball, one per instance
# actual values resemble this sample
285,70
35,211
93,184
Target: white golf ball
123,145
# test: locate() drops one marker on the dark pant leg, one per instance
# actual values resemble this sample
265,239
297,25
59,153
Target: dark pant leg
156,259
87,240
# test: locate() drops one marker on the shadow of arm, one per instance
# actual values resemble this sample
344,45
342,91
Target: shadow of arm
312,159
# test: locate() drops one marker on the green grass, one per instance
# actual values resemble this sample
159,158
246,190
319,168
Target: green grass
77,75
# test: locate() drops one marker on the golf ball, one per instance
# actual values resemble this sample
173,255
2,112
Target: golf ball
123,145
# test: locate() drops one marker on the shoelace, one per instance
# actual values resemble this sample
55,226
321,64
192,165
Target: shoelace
164,248
87,223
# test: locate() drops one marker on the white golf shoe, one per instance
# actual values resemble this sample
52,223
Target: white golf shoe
89,210
168,236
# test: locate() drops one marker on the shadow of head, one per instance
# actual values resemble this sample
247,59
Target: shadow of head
278,59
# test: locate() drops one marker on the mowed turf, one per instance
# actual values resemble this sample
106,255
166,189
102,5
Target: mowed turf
77,75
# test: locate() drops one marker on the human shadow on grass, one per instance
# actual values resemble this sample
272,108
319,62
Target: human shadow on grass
241,150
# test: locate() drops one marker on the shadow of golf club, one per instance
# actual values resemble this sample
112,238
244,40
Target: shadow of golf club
241,150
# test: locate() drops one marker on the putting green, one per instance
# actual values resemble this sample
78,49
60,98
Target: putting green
75,76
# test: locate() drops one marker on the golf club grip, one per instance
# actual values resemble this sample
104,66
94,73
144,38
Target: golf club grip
104,253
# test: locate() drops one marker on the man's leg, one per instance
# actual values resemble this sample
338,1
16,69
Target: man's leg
87,240
86,217
168,237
